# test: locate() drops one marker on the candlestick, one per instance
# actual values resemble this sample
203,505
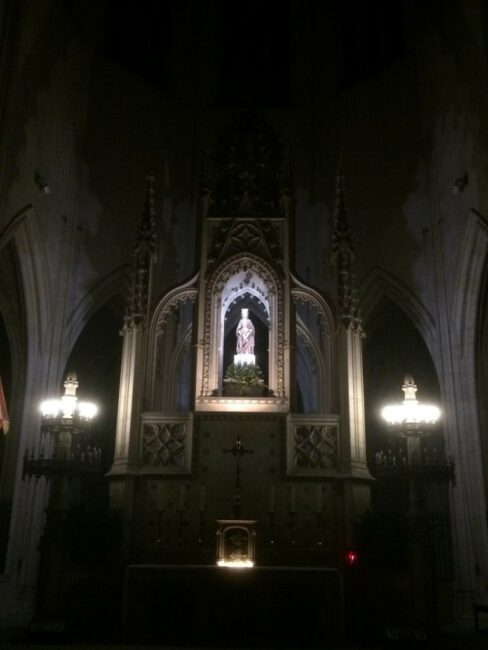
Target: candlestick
202,527
160,497
271,506
271,517
181,504
318,508
203,497
293,505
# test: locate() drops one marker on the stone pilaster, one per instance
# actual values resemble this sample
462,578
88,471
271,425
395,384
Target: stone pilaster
349,345
135,333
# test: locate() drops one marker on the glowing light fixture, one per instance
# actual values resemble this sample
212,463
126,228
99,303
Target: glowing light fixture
410,411
236,564
67,407
67,446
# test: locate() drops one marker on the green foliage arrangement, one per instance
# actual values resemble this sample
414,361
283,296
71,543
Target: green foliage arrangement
245,374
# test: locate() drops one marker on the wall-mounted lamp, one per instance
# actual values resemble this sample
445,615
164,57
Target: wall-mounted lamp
460,184
42,183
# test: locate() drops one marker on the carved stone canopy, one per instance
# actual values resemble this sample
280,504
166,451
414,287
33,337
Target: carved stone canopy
249,176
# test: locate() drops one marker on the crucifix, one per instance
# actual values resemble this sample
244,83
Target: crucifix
238,451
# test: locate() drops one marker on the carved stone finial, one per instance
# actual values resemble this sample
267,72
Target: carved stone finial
205,184
144,259
288,188
341,237
248,177
146,235
343,260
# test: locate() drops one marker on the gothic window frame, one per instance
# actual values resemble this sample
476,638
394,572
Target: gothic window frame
323,349
178,296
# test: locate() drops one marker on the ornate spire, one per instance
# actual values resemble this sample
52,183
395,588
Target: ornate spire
146,235
144,258
205,183
247,177
343,260
341,237
288,188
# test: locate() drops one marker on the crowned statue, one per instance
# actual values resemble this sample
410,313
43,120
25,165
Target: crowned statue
245,340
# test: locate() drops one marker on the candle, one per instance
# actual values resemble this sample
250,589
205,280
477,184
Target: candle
203,496
181,505
271,507
318,509
293,504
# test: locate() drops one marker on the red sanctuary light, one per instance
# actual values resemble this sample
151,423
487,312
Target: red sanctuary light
352,557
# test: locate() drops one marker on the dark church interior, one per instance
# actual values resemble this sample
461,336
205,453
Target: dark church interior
244,324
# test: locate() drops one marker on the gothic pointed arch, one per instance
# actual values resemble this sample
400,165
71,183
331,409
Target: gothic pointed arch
170,335
180,374
482,371
95,357
310,372
315,354
394,347
472,298
12,369
35,315
379,284
112,288
470,283
242,277
22,229
12,306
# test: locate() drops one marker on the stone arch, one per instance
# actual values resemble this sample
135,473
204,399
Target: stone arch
310,372
96,358
394,348
181,293
114,285
379,284
472,269
23,232
161,321
481,354
318,340
179,380
303,293
12,369
12,307
33,378
242,275
472,332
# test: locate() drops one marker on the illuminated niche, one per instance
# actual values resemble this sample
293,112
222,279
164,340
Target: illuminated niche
245,283
236,543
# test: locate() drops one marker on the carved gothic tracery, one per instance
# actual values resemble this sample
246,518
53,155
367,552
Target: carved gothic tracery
171,306
343,259
144,258
316,447
163,444
263,237
248,177
167,443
